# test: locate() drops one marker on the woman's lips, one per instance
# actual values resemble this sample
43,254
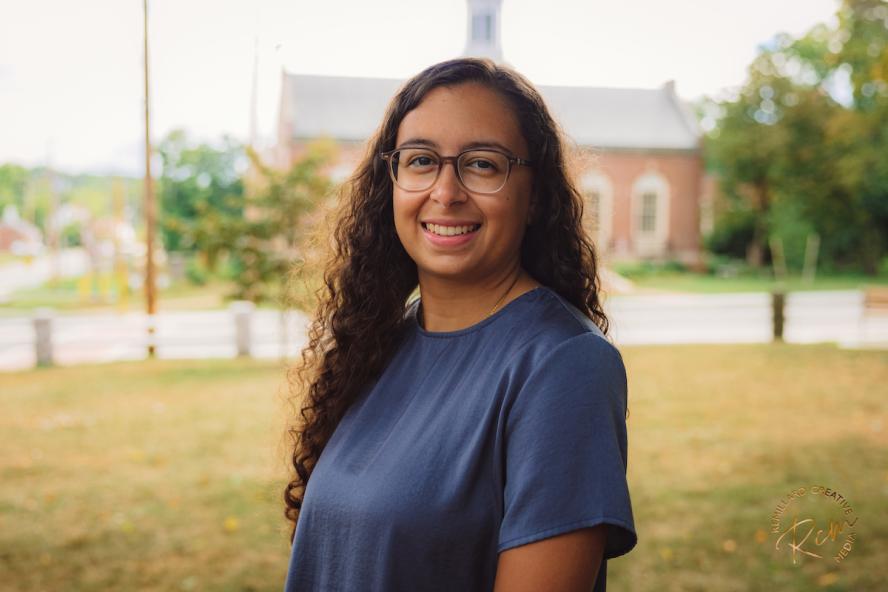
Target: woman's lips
448,241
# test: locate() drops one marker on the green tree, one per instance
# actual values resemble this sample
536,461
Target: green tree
267,241
804,145
13,183
199,185
41,192
860,134
746,146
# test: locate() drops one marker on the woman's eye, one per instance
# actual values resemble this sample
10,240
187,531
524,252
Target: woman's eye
421,161
484,165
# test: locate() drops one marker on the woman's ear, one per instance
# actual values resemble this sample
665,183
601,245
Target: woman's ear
531,212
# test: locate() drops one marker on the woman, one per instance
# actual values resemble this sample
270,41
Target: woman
475,437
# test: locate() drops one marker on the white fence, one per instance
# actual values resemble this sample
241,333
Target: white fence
78,339
809,317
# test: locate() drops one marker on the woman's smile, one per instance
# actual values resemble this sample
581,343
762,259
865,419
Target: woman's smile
449,236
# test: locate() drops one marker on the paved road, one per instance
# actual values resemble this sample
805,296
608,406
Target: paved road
835,316
811,317
17,276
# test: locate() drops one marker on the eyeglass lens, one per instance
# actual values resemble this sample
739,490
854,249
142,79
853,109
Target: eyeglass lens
416,169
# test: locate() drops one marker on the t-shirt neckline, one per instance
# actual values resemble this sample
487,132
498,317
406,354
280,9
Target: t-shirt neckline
538,290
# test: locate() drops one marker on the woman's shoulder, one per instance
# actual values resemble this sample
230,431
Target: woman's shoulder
569,360
572,317
555,319
552,326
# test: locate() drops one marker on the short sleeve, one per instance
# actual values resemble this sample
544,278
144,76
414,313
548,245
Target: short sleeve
565,447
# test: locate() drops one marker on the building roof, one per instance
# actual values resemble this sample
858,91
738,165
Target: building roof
351,108
623,118
345,108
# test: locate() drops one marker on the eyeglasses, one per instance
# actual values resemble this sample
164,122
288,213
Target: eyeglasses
479,171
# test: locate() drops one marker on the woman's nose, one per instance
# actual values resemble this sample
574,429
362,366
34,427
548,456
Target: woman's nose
447,187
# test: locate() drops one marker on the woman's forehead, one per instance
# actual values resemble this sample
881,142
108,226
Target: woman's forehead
461,116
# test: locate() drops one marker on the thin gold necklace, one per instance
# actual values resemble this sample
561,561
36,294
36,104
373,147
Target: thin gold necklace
515,281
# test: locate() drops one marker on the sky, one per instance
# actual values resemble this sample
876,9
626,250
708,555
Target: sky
72,87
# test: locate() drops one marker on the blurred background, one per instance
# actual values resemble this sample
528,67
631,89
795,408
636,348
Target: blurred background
159,258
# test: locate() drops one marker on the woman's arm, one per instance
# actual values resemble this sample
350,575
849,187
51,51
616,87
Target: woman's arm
563,563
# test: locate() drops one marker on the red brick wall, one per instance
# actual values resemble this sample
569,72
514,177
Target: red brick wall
682,172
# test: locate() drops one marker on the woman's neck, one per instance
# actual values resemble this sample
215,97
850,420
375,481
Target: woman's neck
447,306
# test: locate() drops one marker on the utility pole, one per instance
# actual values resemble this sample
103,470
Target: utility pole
52,230
150,209
254,116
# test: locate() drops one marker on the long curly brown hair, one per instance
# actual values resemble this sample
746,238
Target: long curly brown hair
360,319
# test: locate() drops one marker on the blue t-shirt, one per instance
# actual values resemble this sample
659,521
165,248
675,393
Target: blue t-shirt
471,442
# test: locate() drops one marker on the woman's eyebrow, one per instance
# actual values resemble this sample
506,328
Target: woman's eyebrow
486,144
419,142
469,146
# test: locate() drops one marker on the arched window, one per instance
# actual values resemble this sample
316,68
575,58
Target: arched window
593,203
650,214
598,210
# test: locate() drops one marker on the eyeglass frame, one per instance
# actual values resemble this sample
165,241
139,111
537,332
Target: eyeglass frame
442,160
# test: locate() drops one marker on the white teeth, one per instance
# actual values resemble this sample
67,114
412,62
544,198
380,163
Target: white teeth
451,230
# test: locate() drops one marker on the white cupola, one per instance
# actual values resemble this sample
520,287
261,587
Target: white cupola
483,34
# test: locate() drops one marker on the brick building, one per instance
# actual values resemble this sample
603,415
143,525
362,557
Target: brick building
19,236
643,184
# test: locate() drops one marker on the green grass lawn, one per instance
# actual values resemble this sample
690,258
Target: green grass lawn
7,258
702,283
735,276
166,475
67,296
